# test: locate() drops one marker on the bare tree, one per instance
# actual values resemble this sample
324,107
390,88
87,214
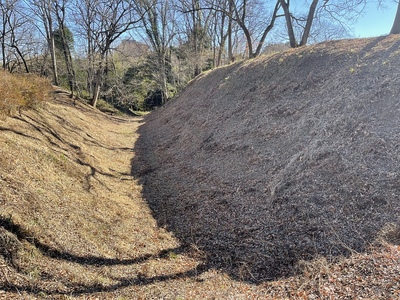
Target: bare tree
13,25
60,12
109,20
158,22
85,21
196,21
289,24
308,23
220,30
219,34
338,12
44,9
6,10
251,18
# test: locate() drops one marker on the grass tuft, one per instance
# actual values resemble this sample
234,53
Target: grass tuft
19,91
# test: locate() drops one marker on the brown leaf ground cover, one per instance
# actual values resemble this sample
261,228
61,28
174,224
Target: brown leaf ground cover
275,178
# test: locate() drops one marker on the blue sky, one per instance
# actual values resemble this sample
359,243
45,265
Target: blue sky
376,21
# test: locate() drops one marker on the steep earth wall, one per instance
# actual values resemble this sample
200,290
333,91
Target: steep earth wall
267,162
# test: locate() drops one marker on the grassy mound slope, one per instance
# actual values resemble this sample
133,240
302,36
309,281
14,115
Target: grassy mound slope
271,162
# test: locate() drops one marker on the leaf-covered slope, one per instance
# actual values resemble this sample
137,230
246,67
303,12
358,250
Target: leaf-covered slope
266,162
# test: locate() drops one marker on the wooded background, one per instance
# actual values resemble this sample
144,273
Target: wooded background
137,54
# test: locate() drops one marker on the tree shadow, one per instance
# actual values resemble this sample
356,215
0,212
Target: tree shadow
18,133
46,131
89,139
122,282
68,149
368,49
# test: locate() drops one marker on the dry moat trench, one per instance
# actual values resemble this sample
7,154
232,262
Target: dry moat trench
257,168
268,162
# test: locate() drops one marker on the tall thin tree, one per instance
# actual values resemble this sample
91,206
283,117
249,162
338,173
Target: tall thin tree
158,22
44,9
65,44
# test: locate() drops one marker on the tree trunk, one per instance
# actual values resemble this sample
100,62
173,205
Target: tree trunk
53,59
70,69
90,72
60,13
163,73
97,86
68,61
220,50
22,58
288,17
3,52
249,42
3,42
396,23
310,19
48,25
267,30
230,42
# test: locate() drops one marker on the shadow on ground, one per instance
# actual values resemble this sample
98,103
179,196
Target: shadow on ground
13,234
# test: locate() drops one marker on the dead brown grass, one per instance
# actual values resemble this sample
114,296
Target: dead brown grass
19,91
76,224
68,196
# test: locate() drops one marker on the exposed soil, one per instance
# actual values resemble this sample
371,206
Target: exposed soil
275,178
280,159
